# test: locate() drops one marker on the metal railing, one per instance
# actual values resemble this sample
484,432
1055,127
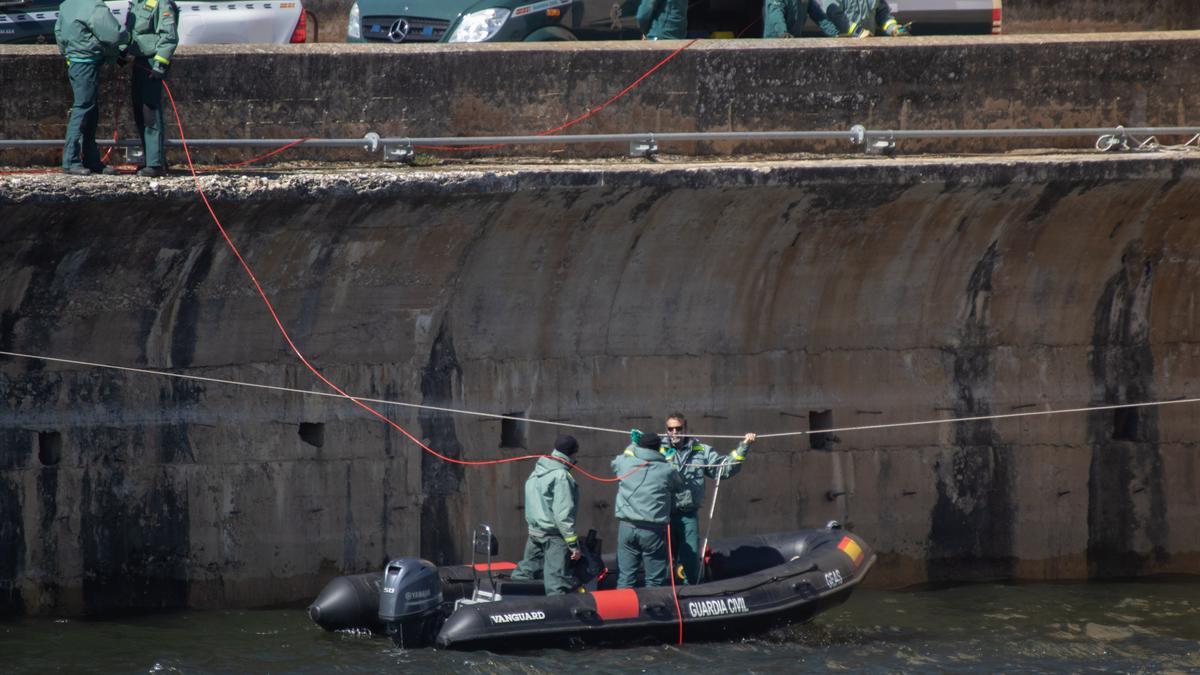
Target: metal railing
646,143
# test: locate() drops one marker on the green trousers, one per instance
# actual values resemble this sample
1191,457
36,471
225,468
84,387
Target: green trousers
638,548
685,544
782,18
79,148
148,114
546,555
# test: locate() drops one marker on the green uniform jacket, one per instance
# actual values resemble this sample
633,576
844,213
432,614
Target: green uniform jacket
86,31
694,462
645,495
551,497
849,15
152,29
663,19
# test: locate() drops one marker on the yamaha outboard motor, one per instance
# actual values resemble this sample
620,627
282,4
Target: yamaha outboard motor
410,601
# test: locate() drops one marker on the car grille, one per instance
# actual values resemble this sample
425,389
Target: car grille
419,29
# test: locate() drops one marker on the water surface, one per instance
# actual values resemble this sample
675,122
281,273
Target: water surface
987,628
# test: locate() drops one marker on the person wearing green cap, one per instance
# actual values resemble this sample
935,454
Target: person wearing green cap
551,500
860,18
88,36
695,461
663,19
647,484
154,34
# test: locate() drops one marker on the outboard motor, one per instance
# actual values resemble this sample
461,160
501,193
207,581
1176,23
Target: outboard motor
410,601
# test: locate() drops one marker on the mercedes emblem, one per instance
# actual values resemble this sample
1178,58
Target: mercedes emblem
399,30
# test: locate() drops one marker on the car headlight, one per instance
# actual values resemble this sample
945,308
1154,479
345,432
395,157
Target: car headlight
480,26
354,23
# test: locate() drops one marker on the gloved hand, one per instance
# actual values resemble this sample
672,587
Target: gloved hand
635,436
894,29
860,33
158,70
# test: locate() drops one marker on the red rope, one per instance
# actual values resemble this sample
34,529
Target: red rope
575,121
671,571
303,359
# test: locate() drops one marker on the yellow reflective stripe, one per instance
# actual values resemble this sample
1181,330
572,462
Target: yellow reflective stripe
572,539
737,456
162,59
629,452
853,26
889,25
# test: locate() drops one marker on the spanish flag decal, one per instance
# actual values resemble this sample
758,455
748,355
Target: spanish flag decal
852,549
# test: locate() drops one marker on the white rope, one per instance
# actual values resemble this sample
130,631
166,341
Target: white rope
1121,141
307,392
459,411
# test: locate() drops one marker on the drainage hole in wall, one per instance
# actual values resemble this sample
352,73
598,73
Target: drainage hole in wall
313,433
49,444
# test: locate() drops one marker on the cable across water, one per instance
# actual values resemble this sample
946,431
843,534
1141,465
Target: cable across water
587,427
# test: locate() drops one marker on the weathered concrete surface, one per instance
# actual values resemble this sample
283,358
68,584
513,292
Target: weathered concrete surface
1072,16
748,295
345,91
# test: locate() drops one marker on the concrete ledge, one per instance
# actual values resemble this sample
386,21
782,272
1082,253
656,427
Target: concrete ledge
329,90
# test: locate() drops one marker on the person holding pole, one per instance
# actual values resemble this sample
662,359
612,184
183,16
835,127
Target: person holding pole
694,461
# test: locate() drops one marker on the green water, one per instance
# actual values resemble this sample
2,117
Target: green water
1143,626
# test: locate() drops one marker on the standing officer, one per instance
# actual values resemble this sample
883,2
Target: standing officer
663,19
850,18
643,508
785,18
551,499
152,28
88,36
694,461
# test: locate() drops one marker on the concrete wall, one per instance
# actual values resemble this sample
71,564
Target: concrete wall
747,295
1073,16
927,83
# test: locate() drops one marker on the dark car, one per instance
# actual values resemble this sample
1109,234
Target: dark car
403,21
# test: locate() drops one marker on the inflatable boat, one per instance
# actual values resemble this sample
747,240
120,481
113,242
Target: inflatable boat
752,584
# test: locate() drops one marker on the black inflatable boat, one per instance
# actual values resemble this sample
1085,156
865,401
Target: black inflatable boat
753,583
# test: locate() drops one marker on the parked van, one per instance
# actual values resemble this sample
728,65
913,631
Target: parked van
405,21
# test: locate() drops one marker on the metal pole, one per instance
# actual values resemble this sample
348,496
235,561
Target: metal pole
711,510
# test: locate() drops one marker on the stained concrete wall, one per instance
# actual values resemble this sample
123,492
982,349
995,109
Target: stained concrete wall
749,296
1063,16
345,91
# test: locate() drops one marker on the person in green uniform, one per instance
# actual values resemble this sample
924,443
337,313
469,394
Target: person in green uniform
694,461
860,18
785,18
663,19
551,499
153,38
88,36
647,483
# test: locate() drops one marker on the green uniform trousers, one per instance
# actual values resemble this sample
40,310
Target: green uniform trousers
685,544
784,17
639,547
547,555
147,113
80,149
